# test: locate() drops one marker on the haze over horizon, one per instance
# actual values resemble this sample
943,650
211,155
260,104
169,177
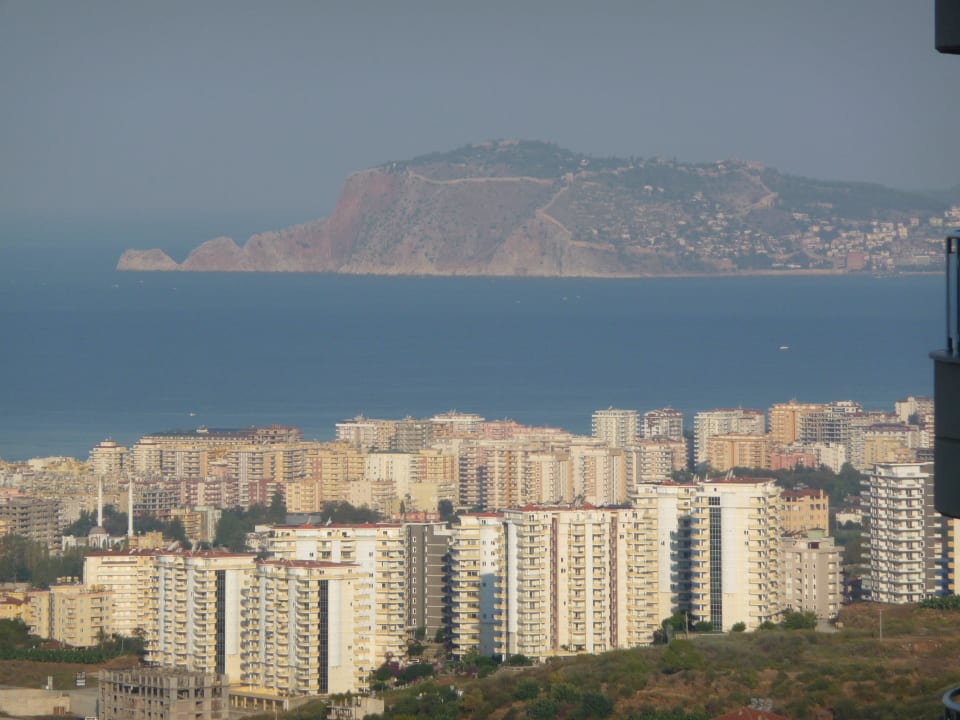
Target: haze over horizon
111,107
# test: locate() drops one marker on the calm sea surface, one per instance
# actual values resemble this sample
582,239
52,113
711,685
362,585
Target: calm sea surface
87,353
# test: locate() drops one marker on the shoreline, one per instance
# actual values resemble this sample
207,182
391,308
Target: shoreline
584,276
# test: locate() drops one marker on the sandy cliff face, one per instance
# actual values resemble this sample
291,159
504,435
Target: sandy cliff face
146,260
522,208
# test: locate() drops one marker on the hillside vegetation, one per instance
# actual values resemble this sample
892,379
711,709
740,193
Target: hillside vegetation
846,675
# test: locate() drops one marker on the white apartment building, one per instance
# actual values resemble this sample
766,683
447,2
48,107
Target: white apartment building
544,581
302,628
476,556
736,553
615,427
378,551
739,421
199,598
674,513
663,422
904,534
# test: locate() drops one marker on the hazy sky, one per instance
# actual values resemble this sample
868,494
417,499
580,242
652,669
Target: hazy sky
108,106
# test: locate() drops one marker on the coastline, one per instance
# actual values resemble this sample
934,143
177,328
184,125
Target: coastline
821,272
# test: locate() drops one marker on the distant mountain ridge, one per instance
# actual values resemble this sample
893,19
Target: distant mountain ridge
532,208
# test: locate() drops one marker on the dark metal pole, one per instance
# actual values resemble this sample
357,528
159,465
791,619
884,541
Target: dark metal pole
947,244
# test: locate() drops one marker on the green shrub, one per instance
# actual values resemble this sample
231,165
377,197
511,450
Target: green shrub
594,704
526,690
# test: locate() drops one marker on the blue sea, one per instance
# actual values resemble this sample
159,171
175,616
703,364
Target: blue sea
87,353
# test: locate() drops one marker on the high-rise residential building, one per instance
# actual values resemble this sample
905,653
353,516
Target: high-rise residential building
367,434
426,558
131,578
412,435
674,522
913,409
302,629
831,455
951,540
578,580
720,422
616,427
106,459
903,532
888,443
804,510
199,608
548,478
736,553
785,420
831,424
476,558
652,460
379,552
454,424
542,581
812,575
597,473
738,450
662,422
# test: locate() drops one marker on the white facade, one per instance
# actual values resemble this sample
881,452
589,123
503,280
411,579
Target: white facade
616,427
736,553
663,422
379,552
904,534
476,552
300,631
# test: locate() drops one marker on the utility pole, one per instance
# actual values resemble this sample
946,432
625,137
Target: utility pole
881,623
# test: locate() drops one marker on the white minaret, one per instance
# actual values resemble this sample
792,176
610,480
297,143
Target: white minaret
130,508
100,501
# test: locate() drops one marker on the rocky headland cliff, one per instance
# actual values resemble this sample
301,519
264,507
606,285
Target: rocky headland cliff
531,208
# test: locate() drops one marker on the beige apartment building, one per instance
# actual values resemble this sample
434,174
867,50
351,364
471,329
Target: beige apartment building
738,450
804,510
597,473
736,553
786,419
812,575
653,460
106,459
131,578
71,614
738,421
